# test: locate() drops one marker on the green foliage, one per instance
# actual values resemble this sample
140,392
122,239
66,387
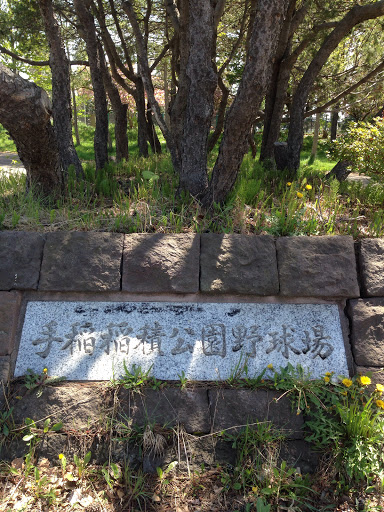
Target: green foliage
82,463
134,378
6,423
363,146
258,470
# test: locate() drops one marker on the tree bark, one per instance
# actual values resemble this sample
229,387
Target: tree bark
61,91
334,121
151,131
340,171
315,141
243,111
75,122
93,46
25,112
142,134
202,82
275,98
120,111
356,15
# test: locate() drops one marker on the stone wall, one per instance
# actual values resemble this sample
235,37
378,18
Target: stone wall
102,266
192,267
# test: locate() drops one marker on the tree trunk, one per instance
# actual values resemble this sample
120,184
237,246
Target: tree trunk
242,113
201,84
334,121
214,137
120,112
25,112
142,134
61,90
88,33
75,121
356,15
315,141
274,105
340,171
151,131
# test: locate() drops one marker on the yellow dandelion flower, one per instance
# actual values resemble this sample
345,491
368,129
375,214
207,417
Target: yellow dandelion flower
61,456
347,382
270,366
328,374
45,370
308,187
344,393
299,195
326,379
289,184
380,404
379,388
365,381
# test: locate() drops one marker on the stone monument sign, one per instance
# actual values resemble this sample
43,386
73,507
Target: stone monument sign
92,340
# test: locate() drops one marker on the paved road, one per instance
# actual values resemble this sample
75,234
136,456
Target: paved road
10,163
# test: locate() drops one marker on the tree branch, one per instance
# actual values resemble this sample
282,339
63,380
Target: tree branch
173,13
39,62
347,91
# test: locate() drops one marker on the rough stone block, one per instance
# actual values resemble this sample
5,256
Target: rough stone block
168,407
78,406
161,263
20,260
298,454
237,408
367,317
372,267
5,368
78,261
238,264
9,314
323,266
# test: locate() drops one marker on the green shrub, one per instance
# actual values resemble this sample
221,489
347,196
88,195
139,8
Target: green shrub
363,146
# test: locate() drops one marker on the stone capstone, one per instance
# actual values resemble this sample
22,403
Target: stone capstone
160,263
78,261
168,407
367,316
238,264
9,311
323,266
372,267
238,408
20,260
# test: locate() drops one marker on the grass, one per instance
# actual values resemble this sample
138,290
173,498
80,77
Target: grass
259,481
140,195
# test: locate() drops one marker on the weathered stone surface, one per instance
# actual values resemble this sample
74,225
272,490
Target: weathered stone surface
237,408
78,406
161,263
20,260
238,264
9,311
323,266
298,454
93,340
372,267
367,317
78,261
5,367
168,407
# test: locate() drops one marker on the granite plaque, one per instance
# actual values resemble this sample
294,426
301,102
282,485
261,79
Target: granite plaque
92,340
